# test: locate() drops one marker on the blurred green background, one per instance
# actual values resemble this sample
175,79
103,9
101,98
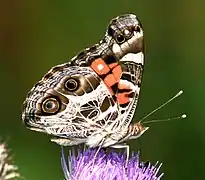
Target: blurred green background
36,35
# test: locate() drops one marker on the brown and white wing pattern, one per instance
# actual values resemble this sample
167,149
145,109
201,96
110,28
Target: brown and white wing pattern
92,98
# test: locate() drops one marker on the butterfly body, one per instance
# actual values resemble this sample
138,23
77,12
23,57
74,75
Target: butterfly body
92,99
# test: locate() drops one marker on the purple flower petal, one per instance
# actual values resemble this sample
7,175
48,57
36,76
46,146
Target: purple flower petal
107,166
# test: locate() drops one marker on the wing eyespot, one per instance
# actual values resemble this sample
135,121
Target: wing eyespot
50,105
72,84
120,38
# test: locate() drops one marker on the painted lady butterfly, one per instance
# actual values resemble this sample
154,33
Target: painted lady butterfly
92,99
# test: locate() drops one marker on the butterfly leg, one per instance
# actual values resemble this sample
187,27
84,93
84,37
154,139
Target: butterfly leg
67,142
98,149
127,148
64,164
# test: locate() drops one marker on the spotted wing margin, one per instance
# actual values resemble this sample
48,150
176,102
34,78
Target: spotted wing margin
130,83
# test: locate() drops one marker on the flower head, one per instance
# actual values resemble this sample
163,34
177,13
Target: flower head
107,166
7,170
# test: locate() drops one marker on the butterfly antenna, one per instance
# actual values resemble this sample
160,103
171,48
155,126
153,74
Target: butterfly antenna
164,104
183,116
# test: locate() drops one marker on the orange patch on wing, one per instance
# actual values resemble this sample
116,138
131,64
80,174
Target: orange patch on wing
117,72
123,98
111,66
110,80
100,67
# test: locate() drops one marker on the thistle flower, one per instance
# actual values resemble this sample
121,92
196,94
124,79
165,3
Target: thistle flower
7,170
107,166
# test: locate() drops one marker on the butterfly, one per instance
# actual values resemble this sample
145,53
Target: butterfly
92,98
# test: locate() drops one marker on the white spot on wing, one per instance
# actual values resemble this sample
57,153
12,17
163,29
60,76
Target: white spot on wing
126,31
116,49
100,67
137,58
130,85
131,41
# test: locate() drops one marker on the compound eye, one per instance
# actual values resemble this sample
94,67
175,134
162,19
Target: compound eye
50,105
120,38
72,84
